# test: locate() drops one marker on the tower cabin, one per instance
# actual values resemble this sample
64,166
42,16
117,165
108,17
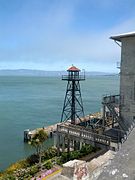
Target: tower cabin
127,77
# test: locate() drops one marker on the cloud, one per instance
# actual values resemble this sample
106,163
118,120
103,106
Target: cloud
48,38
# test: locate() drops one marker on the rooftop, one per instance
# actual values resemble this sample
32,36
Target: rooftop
73,68
120,36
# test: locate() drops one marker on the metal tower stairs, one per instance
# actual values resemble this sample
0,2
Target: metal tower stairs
112,104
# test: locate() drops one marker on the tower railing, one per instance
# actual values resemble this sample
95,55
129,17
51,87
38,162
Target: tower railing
111,99
73,77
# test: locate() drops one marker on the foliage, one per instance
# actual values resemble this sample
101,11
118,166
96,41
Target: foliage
59,162
49,153
37,142
26,173
8,177
86,149
17,165
48,165
33,170
26,169
33,159
75,155
64,157
38,139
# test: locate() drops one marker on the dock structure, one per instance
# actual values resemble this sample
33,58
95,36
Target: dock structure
74,136
106,131
28,134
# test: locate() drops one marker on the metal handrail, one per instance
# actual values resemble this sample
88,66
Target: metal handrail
73,77
111,99
85,134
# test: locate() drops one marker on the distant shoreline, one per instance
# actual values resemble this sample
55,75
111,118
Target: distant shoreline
40,73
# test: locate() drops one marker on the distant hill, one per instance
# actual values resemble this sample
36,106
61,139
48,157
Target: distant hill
28,72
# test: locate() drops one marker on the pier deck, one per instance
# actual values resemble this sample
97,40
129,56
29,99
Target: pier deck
28,134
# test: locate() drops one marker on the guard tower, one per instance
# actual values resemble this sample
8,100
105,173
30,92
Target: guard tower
73,106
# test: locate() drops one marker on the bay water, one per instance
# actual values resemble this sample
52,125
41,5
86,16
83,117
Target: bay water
32,102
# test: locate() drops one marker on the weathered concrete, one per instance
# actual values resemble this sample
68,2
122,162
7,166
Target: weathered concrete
127,77
81,135
97,164
94,168
123,164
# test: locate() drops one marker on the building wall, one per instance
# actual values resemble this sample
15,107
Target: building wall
127,80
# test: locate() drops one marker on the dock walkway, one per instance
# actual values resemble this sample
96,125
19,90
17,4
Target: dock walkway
81,135
28,134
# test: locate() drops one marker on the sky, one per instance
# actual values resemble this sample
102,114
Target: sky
54,34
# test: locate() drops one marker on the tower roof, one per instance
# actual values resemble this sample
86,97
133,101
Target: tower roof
120,36
73,68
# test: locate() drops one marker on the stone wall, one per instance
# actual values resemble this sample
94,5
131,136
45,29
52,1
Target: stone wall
127,80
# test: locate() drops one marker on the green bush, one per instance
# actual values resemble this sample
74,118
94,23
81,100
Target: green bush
86,149
8,177
64,157
48,165
18,165
74,155
33,170
49,153
52,152
59,162
33,159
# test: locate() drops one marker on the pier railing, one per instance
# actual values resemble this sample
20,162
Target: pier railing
83,134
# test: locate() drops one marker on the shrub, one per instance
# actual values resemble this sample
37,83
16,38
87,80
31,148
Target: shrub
49,153
74,155
16,166
59,162
86,149
8,177
48,165
52,152
33,159
64,157
33,170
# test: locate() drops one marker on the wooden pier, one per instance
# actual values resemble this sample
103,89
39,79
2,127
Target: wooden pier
28,134
68,137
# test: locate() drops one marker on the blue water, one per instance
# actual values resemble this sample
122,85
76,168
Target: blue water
31,102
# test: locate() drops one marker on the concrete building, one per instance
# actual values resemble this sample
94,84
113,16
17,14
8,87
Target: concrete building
127,77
